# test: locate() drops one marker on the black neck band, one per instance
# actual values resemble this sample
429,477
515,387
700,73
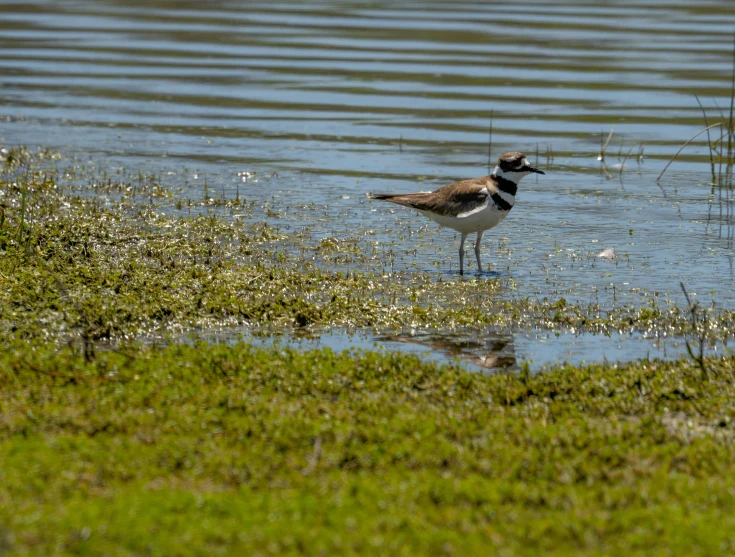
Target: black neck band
501,203
505,185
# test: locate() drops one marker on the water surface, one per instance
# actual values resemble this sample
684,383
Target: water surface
302,109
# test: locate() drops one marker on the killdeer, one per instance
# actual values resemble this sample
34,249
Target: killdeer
473,205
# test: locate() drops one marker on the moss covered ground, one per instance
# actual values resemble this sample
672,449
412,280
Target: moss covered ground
207,449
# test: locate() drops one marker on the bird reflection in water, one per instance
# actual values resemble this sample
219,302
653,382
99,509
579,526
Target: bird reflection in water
491,351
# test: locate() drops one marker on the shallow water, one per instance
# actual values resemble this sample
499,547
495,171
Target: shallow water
490,351
326,102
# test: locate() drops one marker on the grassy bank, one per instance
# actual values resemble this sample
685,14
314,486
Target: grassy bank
226,449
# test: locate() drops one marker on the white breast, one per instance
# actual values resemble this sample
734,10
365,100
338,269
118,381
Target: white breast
484,217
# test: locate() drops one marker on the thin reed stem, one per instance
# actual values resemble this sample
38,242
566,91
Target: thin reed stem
700,132
732,105
709,140
603,146
490,145
622,165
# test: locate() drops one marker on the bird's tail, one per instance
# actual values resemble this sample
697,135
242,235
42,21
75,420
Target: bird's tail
384,196
414,200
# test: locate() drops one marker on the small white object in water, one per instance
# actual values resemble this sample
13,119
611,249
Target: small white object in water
607,253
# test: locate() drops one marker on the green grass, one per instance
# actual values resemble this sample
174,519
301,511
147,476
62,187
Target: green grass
212,449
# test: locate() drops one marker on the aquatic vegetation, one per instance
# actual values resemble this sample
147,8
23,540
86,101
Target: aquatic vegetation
101,263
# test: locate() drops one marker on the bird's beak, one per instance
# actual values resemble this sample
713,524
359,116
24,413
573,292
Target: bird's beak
535,170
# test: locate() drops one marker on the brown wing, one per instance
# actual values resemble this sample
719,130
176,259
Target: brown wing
453,199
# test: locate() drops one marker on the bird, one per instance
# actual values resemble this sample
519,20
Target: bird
473,205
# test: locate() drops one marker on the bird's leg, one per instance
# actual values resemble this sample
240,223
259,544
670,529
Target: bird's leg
461,253
477,251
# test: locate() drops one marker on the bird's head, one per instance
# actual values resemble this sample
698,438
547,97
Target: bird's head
514,166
